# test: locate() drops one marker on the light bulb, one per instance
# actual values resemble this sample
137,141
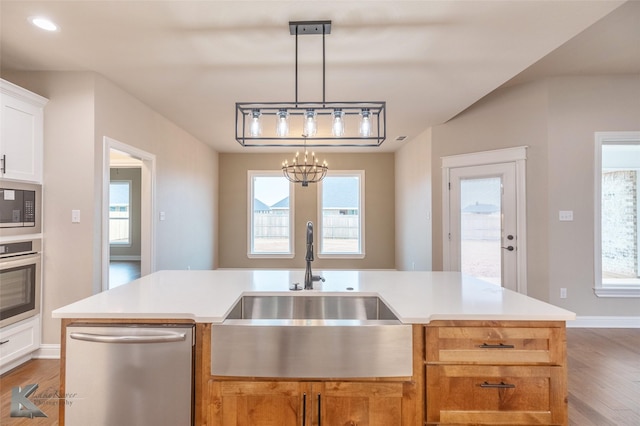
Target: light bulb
255,128
338,123
365,123
310,124
282,123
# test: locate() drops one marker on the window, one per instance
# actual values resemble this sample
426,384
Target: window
120,213
340,200
270,216
617,240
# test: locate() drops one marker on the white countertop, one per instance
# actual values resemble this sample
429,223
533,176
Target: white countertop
415,297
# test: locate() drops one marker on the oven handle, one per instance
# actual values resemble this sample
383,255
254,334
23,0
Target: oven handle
19,260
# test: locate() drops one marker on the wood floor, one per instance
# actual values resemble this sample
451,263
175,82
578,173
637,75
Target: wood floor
123,271
604,380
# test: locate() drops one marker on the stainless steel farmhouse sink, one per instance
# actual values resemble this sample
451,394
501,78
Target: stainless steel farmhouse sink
311,336
359,308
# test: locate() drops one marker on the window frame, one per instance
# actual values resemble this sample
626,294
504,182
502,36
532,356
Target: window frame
601,289
361,213
129,183
251,174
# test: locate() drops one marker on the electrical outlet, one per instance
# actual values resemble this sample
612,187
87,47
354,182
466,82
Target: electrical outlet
565,215
563,293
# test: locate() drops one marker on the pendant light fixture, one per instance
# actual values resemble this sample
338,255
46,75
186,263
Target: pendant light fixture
313,124
304,170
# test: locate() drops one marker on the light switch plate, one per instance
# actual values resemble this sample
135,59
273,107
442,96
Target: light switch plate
566,215
75,216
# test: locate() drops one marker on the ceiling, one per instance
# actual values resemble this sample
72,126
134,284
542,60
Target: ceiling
429,60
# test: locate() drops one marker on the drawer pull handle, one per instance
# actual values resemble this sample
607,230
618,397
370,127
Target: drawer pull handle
3,342
500,346
501,385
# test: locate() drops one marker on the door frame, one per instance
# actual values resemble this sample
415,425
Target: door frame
147,243
517,155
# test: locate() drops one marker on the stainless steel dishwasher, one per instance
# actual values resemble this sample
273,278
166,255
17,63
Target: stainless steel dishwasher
129,375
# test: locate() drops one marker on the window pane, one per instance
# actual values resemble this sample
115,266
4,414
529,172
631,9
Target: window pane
119,212
341,215
619,214
271,215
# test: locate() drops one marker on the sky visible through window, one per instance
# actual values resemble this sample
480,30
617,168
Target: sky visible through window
270,190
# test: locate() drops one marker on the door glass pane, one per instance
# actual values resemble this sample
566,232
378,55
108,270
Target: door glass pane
480,228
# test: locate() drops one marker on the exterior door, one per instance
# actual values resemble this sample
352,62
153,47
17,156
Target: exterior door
484,217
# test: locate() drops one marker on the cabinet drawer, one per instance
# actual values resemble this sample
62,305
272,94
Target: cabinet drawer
495,345
18,340
517,395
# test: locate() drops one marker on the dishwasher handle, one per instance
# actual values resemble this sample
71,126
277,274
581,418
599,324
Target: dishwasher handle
105,338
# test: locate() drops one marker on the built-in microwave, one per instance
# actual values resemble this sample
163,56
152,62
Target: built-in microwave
20,207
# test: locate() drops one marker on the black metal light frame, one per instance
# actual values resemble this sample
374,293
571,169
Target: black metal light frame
296,109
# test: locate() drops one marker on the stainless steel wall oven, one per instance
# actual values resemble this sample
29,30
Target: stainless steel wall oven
20,273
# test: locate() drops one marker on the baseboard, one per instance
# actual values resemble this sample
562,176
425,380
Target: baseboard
604,322
125,257
48,351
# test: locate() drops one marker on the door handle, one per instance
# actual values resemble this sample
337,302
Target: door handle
510,248
304,409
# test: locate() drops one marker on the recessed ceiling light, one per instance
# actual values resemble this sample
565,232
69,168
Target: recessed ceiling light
44,23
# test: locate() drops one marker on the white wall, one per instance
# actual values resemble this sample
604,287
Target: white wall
557,119
413,204
82,109
187,176
379,210
578,107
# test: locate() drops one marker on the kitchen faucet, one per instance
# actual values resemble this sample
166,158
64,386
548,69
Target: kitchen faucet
309,278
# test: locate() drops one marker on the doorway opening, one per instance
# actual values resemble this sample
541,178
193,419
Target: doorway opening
127,218
484,216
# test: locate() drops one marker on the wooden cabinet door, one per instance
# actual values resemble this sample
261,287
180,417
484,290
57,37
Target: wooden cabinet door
272,403
356,404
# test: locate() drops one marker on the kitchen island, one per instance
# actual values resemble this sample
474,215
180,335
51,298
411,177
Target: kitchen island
481,354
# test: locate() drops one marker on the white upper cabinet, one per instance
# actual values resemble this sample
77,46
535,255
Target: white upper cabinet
21,133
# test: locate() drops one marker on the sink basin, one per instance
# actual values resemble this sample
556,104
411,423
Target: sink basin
311,336
360,308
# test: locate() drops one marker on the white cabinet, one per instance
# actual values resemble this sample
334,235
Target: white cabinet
21,133
18,341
